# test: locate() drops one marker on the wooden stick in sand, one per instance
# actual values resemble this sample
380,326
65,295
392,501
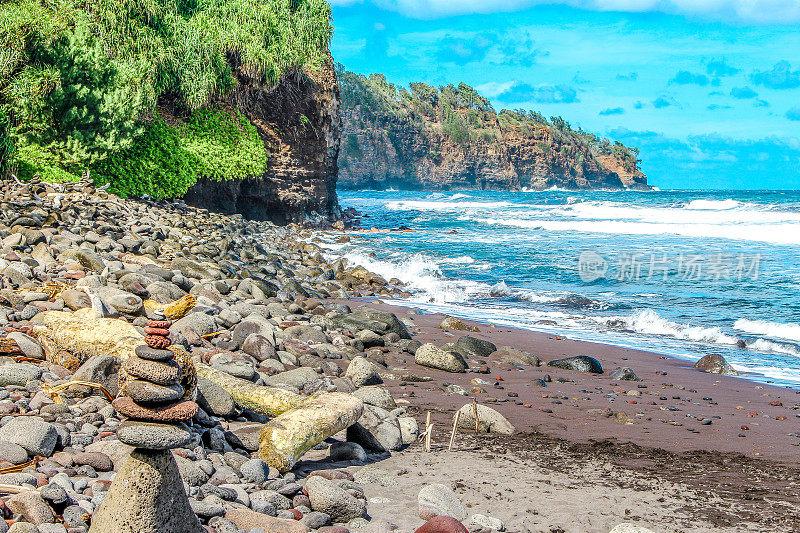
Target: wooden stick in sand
428,430
453,434
475,414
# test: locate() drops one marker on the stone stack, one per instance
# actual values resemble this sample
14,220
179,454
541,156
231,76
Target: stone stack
147,495
152,398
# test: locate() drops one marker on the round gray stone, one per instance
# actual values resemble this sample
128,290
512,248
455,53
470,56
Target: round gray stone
152,436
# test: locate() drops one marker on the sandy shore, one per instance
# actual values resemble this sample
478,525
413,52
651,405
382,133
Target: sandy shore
572,467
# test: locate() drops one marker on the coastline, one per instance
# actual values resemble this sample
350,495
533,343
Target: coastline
736,400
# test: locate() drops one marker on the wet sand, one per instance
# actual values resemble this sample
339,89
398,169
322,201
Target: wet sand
574,464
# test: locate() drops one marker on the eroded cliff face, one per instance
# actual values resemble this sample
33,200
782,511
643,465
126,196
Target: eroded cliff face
300,124
451,138
382,152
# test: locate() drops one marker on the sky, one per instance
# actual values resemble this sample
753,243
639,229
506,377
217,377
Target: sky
708,90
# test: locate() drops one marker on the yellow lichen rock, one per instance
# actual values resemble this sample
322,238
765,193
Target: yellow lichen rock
270,401
83,336
284,439
174,310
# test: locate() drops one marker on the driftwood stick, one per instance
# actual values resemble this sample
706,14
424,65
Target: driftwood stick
453,434
428,431
14,489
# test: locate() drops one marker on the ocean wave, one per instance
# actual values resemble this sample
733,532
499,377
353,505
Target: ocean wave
421,205
649,322
764,345
422,275
713,204
774,233
770,329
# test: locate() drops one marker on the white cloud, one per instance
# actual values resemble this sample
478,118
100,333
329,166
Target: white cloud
746,11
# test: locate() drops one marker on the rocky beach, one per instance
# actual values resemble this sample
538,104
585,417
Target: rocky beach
223,374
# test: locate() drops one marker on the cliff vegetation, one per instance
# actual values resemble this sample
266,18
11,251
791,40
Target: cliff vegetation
140,92
452,137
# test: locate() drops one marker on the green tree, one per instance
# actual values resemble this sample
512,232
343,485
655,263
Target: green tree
73,105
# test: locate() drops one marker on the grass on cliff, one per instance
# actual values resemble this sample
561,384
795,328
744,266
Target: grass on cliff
81,80
465,117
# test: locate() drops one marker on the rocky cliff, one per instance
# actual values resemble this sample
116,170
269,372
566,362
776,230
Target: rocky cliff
450,137
300,125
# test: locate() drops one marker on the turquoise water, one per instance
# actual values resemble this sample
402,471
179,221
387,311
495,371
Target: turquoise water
684,273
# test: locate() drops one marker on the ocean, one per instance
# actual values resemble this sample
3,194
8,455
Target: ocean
681,273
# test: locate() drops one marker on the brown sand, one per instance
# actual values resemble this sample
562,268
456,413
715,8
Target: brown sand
569,469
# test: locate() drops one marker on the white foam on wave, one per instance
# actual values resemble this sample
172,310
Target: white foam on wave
713,204
764,345
422,275
771,233
649,322
422,205
770,329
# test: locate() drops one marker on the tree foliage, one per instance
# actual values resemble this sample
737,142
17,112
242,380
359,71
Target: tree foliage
81,79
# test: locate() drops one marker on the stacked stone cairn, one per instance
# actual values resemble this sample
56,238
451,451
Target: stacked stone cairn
147,495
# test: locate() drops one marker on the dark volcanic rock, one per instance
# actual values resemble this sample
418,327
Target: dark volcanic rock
715,364
580,363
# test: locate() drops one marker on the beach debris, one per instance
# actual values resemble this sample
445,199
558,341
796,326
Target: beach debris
579,363
456,324
288,436
432,356
715,364
483,419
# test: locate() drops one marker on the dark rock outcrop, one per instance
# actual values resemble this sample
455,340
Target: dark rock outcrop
299,122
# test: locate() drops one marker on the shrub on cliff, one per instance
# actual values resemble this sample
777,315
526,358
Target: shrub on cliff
170,156
97,71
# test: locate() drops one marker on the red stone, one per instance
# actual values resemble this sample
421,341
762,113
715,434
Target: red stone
162,324
175,412
297,514
156,331
442,524
157,341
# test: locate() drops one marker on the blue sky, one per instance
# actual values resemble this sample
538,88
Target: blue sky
709,90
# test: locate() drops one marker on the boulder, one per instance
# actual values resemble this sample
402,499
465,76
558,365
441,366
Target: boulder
214,399
630,528
329,498
434,357
377,396
19,374
258,346
377,430
28,345
200,323
32,433
102,369
32,506
362,373
442,524
715,364
579,363
456,324
489,420
472,347
247,520
390,319
512,356
439,500
624,374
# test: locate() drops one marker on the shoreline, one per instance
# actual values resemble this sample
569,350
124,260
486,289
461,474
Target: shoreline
737,401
